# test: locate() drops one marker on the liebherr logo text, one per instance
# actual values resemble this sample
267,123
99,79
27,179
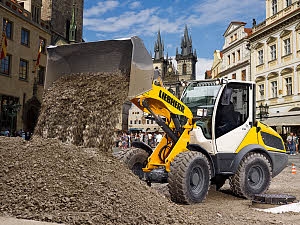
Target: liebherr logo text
171,101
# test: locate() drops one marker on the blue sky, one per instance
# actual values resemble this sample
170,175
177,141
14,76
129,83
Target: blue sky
207,21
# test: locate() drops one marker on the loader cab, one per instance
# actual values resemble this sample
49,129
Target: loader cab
223,113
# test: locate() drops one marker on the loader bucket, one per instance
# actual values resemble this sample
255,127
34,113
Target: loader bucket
128,56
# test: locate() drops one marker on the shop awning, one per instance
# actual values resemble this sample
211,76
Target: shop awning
291,120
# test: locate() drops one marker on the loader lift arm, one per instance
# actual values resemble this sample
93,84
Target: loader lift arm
159,102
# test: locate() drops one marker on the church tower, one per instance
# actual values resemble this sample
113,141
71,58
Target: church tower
66,19
186,61
159,61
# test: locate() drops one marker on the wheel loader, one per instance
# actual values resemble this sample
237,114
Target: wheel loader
210,134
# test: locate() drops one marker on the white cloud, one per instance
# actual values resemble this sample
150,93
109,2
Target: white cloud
202,65
145,22
101,8
210,12
135,5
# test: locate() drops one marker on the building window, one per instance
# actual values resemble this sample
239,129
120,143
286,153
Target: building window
130,121
287,46
25,37
5,65
273,52
233,57
184,69
229,60
243,75
288,2
274,7
23,69
41,75
235,36
234,76
289,85
35,13
140,122
260,57
238,55
7,25
261,89
274,89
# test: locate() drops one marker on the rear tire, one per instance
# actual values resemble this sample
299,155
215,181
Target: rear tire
189,178
135,159
253,176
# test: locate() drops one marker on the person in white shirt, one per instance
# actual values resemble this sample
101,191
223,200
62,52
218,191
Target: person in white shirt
158,138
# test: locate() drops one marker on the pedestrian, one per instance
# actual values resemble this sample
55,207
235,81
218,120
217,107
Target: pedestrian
158,138
6,132
296,138
146,139
291,143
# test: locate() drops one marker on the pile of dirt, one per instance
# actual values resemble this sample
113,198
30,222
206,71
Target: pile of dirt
51,181
83,109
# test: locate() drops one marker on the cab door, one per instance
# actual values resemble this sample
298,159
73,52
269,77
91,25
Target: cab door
233,116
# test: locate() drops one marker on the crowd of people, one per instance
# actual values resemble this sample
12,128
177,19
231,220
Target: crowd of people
292,142
124,139
26,135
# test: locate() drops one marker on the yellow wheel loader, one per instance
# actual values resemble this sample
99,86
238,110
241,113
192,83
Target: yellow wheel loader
211,133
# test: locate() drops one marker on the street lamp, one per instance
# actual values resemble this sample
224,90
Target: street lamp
11,111
263,111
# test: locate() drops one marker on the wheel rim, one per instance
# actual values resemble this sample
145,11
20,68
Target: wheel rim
255,177
137,170
196,180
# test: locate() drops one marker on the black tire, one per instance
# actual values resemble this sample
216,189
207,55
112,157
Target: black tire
253,176
135,159
189,178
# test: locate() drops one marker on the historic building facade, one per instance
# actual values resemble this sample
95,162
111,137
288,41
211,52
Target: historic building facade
65,18
275,63
139,121
22,71
186,59
233,62
160,63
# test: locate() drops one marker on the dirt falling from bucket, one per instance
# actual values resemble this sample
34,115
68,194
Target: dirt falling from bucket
83,109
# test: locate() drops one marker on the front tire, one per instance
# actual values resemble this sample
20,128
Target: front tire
252,177
189,178
135,159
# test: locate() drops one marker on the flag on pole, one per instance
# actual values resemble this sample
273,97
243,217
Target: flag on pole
37,63
3,43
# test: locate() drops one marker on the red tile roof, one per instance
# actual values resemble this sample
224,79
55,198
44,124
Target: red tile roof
248,31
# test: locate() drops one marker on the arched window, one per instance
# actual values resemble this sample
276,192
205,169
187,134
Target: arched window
184,69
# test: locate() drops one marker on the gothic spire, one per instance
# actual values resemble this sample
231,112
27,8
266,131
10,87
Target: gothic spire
158,47
73,27
186,43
